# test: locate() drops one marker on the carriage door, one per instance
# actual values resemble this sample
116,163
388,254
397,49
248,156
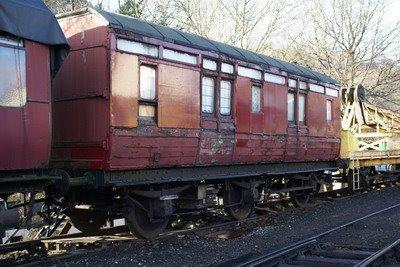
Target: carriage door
217,135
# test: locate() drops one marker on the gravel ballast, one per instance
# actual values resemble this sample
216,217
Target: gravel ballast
288,227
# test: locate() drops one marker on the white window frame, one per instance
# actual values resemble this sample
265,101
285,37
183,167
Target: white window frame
303,119
332,92
329,110
249,73
227,68
17,46
137,47
141,81
292,107
273,78
179,56
255,88
210,64
317,88
229,98
292,83
204,96
302,85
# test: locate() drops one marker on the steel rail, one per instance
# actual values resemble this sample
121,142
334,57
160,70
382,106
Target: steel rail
258,260
376,256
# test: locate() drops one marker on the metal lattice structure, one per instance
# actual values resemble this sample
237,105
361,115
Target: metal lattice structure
370,135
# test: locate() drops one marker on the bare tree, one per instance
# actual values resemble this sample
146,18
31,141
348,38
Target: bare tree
351,41
255,23
201,17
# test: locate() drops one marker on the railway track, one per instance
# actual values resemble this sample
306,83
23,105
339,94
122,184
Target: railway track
312,252
50,249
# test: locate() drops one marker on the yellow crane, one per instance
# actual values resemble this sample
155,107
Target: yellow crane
370,135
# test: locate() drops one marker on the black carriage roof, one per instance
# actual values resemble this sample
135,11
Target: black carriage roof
194,41
32,20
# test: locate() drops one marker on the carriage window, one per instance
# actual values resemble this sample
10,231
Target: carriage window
13,73
292,83
225,98
137,47
332,92
328,110
302,107
147,83
303,85
290,107
255,99
209,64
227,68
207,95
250,73
317,88
179,56
147,91
272,78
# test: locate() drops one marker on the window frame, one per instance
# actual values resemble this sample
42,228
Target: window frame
294,121
273,78
329,100
19,45
119,49
220,80
225,63
196,56
211,60
316,88
248,72
214,78
148,102
297,91
298,108
260,86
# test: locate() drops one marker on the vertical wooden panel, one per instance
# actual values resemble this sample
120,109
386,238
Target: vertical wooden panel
178,97
243,104
275,103
124,89
316,114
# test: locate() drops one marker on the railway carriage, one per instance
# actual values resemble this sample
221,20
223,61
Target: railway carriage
32,47
152,121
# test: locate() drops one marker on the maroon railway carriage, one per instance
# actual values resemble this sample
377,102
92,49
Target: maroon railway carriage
32,46
162,120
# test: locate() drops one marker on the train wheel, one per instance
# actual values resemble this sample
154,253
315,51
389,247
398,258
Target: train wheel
299,198
88,221
141,224
239,209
